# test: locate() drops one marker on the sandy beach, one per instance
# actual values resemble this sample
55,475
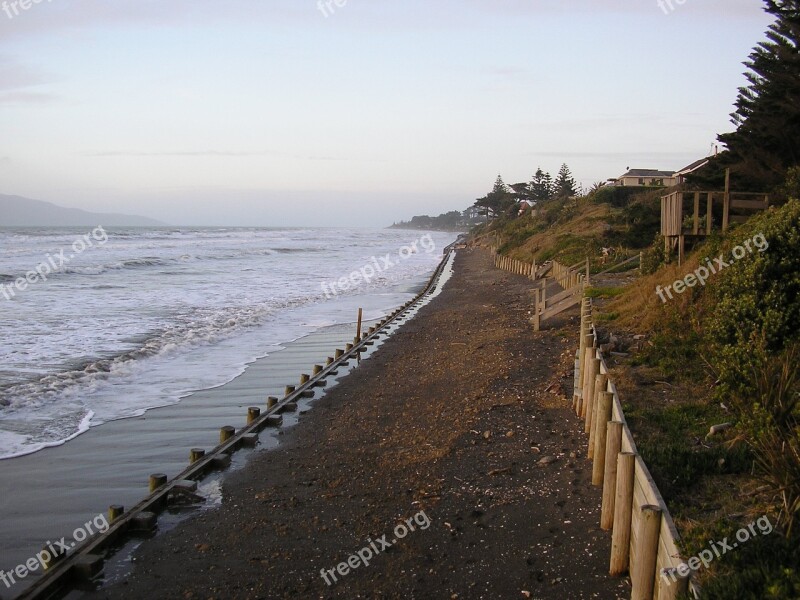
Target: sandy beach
448,430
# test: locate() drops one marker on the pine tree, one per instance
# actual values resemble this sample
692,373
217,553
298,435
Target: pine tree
498,200
766,142
541,186
565,186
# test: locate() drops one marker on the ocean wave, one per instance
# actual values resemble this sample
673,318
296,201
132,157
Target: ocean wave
197,328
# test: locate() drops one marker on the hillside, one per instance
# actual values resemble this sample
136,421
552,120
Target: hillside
715,354
16,211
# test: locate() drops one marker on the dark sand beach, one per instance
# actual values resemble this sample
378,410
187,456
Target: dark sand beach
451,417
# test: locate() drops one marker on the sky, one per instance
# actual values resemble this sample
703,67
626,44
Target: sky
353,112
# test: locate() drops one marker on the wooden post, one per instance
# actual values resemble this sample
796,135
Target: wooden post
226,433
591,371
588,274
348,347
196,454
613,448
623,506
536,317
358,326
317,370
339,353
272,401
603,416
709,211
290,390
252,414
156,481
329,361
643,577
696,225
115,511
600,385
726,201
588,394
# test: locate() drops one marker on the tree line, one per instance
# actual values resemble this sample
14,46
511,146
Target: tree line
541,188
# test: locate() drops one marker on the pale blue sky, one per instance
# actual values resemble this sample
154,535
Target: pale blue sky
270,113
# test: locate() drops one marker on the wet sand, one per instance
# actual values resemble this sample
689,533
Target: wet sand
451,420
52,492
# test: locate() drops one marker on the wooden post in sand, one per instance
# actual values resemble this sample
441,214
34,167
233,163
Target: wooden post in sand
196,454
290,390
252,414
623,507
115,511
156,481
348,347
537,324
304,377
603,416
317,370
643,577
588,376
589,404
600,384
271,402
358,326
613,448
226,433
338,354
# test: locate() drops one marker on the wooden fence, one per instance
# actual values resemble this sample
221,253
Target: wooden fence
644,537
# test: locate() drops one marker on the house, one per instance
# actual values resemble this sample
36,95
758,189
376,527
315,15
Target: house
689,169
642,177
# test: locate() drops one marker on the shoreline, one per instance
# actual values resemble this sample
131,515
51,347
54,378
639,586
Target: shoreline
429,426
110,464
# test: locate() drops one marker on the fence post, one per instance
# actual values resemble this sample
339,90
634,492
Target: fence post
623,507
603,416
591,371
600,385
613,448
643,577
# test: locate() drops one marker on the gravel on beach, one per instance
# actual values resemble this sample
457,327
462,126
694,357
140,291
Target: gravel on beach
449,460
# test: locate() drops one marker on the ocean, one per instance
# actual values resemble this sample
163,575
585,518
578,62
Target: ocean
100,324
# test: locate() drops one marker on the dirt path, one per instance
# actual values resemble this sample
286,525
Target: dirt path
444,429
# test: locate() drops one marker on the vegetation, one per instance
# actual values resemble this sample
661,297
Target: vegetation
723,352
449,221
766,142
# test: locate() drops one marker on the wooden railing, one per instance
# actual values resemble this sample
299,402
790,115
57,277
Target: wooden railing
644,537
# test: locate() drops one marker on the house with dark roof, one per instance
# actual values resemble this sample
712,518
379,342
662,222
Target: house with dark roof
642,177
689,169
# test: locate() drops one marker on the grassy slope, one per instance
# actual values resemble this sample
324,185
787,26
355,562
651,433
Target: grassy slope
667,387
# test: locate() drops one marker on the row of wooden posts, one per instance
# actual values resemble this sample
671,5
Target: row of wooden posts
513,265
87,561
644,537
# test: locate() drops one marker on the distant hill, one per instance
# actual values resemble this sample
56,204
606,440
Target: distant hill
16,211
